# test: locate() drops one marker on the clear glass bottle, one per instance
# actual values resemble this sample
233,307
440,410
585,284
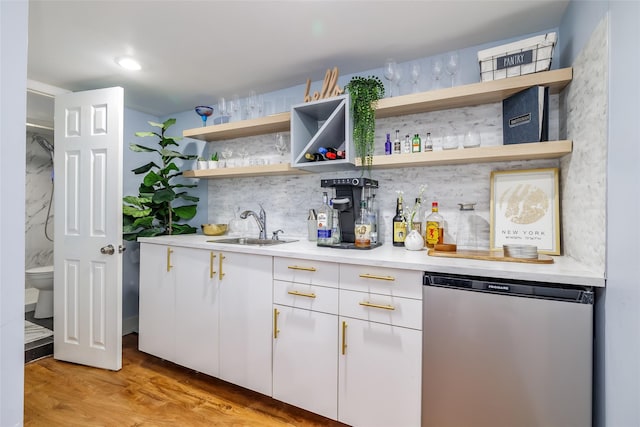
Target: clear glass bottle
362,228
396,143
434,233
428,142
407,144
467,235
416,222
325,219
372,209
336,235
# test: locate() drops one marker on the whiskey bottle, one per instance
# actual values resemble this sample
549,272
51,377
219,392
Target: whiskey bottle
399,224
362,228
434,233
325,217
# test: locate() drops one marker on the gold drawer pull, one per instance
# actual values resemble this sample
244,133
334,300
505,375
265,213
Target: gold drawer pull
220,273
297,267
212,258
385,307
302,294
169,252
344,338
373,276
275,323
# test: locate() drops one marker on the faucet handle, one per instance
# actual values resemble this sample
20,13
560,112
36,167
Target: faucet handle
275,234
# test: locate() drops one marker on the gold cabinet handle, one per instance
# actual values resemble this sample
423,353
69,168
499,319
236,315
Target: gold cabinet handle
211,261
344,337
385,307
302,294
275,323
373,276
297,267
220,273
169,252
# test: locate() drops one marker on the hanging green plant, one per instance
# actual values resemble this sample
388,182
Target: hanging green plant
152,212
365,93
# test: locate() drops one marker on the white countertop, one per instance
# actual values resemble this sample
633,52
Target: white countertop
564,270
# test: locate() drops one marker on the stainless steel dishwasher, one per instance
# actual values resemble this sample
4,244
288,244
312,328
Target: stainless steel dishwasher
505,353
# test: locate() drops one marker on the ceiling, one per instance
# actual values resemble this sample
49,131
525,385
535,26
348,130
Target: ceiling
193,52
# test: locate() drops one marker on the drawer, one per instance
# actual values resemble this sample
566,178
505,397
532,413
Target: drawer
306,271
308,297
387,309
381,280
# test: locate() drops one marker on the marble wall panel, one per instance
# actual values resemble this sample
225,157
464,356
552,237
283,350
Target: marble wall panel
584,108
38,250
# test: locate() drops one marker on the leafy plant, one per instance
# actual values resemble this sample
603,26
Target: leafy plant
365,93
152,212
214,156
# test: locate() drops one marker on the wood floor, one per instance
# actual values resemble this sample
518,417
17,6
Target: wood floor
147,391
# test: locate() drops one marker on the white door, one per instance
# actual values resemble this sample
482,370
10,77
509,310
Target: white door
88,228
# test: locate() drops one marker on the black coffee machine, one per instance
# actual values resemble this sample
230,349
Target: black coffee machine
348,194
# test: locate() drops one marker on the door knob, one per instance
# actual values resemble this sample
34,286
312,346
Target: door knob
108,250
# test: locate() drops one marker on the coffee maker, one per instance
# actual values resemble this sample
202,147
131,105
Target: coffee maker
348,194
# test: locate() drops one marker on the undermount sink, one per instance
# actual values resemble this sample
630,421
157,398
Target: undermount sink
250,241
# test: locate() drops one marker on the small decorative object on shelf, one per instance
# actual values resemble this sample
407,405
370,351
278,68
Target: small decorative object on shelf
204,112
365,93
329,89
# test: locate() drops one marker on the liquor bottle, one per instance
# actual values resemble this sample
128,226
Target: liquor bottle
341,154
396,143
328,153
372,209
336,235
416,223
434,233
314,157
399,224
416,144
325,217
428,143
407,144
362,228
387,145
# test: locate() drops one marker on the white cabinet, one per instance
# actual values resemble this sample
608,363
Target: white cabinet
209,311
156,328
245,319
178,318
305,339
379,374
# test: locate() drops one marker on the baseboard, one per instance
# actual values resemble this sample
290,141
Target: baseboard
129,325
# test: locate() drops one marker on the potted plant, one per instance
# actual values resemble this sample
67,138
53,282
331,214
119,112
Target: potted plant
202,163
213,163
365,93
153,211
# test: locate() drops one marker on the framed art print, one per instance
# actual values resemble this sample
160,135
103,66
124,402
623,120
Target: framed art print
525,209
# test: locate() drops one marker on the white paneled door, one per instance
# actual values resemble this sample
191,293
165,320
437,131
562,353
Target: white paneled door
88,228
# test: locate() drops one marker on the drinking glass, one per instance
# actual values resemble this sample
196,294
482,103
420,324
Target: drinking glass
243,153
415,76
252,104
226,155
204,112
389,73
281,144
436,72
452,66
397,79
471,139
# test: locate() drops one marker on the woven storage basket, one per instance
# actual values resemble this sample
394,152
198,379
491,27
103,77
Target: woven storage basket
515,59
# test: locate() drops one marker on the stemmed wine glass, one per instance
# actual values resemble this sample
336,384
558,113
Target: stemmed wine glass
436,72
281,144
243,152
252,104
452,66
226,155
389,73
397,78
415,76
204,112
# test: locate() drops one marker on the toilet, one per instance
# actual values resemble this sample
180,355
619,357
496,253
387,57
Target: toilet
41,278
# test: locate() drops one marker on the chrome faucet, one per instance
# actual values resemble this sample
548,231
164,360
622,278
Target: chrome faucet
260,219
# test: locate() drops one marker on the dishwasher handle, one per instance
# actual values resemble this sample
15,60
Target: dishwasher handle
552,291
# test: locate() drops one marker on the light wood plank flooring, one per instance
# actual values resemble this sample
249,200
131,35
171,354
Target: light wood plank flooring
147,391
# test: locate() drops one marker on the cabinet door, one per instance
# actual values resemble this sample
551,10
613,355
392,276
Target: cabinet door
379,374
305,363
197,309
245,282
156,328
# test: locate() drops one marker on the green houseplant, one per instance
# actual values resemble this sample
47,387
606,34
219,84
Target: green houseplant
365,93
152,212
